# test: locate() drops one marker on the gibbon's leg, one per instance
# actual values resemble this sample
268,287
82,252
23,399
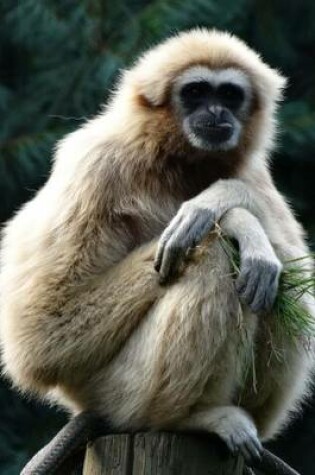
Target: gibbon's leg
162,369
191,335
282,364
282,376
46,343
232,424
198,320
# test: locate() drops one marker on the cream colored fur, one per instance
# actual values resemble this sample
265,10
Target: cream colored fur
84,320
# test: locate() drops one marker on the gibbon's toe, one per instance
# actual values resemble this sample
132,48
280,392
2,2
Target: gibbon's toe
245,443
238,431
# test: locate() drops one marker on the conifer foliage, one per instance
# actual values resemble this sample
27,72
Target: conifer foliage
59,59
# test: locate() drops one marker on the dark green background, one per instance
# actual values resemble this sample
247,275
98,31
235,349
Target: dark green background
57,61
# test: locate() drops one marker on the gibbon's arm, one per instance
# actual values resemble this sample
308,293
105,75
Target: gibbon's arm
254,192
50,342
257,284
54,254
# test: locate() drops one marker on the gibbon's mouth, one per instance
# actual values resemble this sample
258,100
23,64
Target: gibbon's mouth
214,138
214,134
204,134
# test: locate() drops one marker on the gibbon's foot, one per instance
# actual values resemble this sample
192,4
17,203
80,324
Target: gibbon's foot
244,441
233,425
257,284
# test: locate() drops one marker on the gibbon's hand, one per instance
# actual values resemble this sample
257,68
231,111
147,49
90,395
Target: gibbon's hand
257,284
187,229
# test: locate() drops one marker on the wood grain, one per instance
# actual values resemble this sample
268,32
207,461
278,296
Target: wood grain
108,455
159,454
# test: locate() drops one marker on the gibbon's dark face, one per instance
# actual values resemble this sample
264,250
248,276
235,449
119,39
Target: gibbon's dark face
213,106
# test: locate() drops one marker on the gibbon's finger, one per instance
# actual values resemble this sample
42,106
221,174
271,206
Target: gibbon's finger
174,248
231,445
255,440
266,293
245,442
190,226
167,233
249,449
171,258
266,289
255,295
251,285
202,227
159,254
242,281
253,282
257,302
186,236
195,232
191,231
246,453
271,295
253,448
244,277
170,267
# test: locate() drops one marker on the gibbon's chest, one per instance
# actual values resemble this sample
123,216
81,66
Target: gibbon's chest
186,177
156,194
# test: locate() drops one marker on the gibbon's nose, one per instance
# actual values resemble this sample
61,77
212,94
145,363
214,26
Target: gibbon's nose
217,117
213,125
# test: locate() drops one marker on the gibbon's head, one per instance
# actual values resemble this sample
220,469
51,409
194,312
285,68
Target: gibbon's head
209,88
213,106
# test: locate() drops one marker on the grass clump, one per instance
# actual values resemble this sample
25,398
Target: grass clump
296,283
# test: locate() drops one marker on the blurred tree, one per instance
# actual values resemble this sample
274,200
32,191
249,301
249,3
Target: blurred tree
58,61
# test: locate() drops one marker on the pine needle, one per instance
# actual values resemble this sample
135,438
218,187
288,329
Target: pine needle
296,283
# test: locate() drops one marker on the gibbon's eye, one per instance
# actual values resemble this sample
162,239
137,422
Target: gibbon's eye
231,94
195,91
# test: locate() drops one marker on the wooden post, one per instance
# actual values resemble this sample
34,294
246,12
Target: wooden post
159,453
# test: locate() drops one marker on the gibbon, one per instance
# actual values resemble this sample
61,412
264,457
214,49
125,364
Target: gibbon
116,294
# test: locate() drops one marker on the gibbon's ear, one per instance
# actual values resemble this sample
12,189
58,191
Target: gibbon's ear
154,73
154,94
269,82
153,88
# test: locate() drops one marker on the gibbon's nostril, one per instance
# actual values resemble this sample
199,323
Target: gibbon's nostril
211,121
217,117
214,110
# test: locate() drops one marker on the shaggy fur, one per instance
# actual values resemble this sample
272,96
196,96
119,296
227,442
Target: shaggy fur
84,320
